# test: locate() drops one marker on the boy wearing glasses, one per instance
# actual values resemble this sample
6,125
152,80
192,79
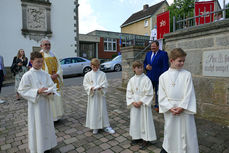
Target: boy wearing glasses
95,84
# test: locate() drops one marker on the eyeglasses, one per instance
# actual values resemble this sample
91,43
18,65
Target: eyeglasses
47,44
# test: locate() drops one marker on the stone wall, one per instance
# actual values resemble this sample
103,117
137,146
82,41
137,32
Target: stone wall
212,90
128,57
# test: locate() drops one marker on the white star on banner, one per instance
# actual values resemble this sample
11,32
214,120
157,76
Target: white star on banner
162,23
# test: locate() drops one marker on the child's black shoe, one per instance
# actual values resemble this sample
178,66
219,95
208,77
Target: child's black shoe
134,142
144,145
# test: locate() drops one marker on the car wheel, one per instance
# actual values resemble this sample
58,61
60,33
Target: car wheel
118,68
86,69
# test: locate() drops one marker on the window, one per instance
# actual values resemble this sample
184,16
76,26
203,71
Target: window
117,58
146,23
74,60
62,62
110,44
66,61
80,60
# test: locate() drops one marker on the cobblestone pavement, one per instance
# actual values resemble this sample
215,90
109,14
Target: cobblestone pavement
73,137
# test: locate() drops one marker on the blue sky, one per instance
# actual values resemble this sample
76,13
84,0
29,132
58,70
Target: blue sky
109,14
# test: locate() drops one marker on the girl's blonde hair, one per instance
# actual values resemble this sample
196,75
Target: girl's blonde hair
19,54
177,52
95,61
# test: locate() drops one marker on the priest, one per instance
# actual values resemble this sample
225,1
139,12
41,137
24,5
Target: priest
52,66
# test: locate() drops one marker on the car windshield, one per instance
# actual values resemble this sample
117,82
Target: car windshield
117,58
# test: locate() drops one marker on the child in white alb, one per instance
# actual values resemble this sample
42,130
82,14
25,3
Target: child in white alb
139,96
37,87
95,84
178,103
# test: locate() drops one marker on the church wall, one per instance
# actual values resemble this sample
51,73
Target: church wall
62,27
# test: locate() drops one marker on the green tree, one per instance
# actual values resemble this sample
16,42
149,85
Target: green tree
181,9
227,11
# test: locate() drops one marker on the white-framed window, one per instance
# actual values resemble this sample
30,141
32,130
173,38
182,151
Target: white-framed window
146,22
110,45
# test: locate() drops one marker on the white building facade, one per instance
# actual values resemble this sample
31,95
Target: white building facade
24,23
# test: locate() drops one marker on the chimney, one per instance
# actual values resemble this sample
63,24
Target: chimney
145,7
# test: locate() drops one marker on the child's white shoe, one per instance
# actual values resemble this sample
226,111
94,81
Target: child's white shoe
95,131
109,130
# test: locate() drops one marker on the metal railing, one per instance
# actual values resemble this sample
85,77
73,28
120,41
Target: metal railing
135,41
142,51
196,20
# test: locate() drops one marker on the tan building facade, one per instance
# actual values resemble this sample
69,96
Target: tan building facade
143,22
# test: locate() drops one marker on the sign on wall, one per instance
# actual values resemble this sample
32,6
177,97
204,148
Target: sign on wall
200,8
163,25
216,63
36,19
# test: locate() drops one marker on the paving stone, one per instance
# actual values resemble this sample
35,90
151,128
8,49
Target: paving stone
59,139
80,149
70,131
134,148
71,140
67,148
120,139
104,139
104,146
107,151
88,146
127,151
88,134
67,136
98,142
73,151
95,150
113,142
117,148
126,144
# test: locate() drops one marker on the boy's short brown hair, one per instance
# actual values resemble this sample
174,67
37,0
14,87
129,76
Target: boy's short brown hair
137,64
177,52
35,54
95,61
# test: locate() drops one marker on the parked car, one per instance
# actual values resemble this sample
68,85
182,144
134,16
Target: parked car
114,65
75,65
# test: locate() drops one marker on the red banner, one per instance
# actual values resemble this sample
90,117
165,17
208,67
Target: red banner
163,25
200,8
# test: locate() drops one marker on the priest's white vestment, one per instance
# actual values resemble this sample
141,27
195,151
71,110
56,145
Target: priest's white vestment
41,132
97,116
57,104
140,88
176,90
